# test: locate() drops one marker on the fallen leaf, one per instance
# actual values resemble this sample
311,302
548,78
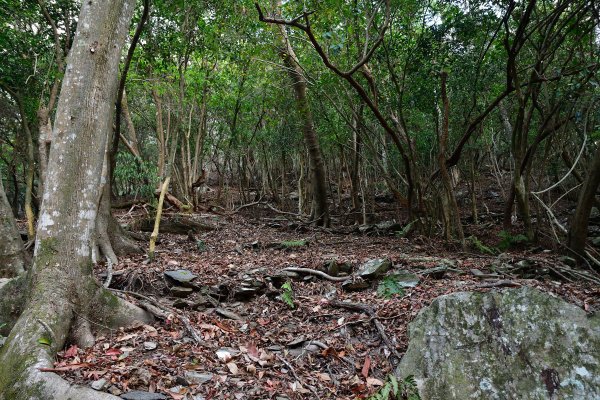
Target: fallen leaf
232,368
374,382
366,367
71,351
70,367
323,377
112,352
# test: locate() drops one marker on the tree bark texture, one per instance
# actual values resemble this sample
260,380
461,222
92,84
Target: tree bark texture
578,230
12,256
317,166
64,297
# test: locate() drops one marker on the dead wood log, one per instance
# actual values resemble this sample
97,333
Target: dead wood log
172,224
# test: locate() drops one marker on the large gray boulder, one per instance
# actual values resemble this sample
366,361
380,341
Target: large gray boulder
511,344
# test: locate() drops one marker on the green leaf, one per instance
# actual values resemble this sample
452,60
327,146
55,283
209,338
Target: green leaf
287,294
389,287
45,341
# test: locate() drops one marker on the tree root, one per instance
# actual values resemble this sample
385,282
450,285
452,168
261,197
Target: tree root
317,273
162,311
12,302
371,313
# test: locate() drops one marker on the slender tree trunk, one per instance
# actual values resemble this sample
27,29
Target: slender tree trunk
320,208
452,222
579,224
12,257
64,295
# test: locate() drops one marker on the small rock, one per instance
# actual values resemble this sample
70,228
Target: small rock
181,304
115,391
181,277
332,268
197,378
246,293
99,384
139,395
570,261
365,228
181,292
228,314
149,346
374,268
524,264
355,285
296,342
281,277
389,226
225,354
406,279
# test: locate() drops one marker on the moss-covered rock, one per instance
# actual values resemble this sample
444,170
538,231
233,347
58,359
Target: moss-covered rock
513,344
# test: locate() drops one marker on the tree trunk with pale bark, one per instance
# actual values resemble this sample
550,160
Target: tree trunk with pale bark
63,296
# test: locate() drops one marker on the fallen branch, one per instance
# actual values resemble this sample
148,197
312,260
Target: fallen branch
371,313
500,283
169,310
317,273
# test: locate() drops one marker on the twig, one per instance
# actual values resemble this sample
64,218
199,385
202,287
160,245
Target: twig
293,371
317,273
48,329
371,313
109,272
500,283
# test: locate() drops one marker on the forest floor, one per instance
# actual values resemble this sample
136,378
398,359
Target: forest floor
257,346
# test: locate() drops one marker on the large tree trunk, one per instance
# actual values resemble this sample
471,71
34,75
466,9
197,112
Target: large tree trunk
63,289
317,167
579,224
12,256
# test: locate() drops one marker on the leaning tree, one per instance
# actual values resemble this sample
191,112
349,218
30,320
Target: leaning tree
57,299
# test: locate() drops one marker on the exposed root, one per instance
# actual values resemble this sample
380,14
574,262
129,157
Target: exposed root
317,273
371,313
12,302
162,311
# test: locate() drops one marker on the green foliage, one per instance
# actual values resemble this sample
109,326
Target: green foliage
508,240
136,179
390,287
286,244
46,341
287,294
406,230
201,246
404,390
482,248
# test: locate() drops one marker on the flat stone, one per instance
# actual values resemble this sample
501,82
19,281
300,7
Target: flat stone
181,292
139,395
149,346
98,384
374,268
510,344
570,261
197,378
115,391
406,279
389,226
355,285
181,277
228,314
